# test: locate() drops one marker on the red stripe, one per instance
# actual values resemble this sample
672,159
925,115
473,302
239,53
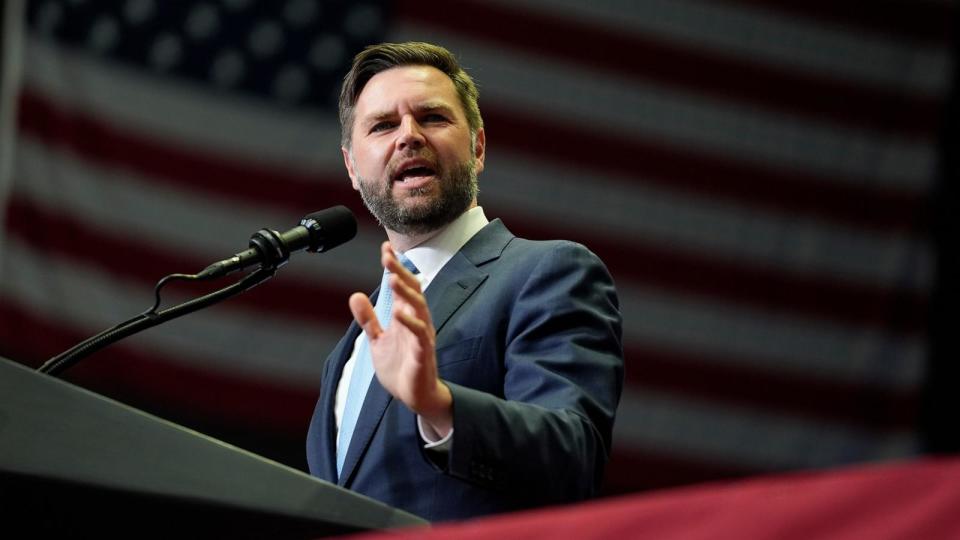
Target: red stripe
127,370
715,378
922,22
695,69
699,376
770,289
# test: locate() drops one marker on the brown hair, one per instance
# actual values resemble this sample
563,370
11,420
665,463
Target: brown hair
377,58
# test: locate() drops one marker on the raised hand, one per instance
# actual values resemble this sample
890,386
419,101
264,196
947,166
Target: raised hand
404,354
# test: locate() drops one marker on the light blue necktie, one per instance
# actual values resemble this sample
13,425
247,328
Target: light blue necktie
363,370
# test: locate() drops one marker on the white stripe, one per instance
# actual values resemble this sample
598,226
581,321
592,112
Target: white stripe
799,42
747,437
257,345
628,108
774,341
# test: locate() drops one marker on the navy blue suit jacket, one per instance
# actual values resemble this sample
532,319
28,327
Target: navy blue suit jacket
529,342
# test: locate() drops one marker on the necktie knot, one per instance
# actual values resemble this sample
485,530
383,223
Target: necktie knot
385,297
408,264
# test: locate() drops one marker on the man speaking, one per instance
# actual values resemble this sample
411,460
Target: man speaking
484,374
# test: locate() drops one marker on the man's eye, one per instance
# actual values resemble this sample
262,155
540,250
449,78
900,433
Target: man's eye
380,126
434,118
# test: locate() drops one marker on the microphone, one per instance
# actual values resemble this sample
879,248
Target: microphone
318,232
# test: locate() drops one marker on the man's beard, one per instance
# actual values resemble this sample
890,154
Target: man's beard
457,190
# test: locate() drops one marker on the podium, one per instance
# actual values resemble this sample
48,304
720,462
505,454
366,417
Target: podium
74,463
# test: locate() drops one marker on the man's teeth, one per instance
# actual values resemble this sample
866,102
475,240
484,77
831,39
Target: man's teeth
415,173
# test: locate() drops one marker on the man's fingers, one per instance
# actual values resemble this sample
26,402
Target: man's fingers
389,261
363,313
409,305
387,257
419,327
409,296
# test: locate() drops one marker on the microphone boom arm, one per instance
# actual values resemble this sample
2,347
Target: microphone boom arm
317,232
151,318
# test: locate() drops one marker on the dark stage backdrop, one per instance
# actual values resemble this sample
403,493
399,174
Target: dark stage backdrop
756,175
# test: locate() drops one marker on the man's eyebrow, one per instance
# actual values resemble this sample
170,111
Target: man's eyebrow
376,117
433,106
419,109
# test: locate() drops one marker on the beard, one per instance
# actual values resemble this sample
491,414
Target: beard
419,213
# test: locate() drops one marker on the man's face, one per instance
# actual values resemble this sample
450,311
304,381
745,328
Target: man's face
411,156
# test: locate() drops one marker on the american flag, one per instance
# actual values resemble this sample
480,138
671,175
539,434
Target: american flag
756,176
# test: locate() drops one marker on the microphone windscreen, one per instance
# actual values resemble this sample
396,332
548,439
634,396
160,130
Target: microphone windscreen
334,226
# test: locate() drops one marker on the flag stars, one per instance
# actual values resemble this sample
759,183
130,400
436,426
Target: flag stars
137,12
104,34
289,51
228,69
363,21
202,22
266,39
290,84
166,52
299,13
327,52
236,5
49,17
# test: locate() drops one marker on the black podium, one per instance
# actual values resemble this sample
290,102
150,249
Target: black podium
75,464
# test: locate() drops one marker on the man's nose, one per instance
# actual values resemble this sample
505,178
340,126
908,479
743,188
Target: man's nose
410,134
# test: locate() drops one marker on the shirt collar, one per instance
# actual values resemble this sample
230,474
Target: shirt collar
430,256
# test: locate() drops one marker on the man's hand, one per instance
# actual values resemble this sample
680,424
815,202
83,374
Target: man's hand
404,355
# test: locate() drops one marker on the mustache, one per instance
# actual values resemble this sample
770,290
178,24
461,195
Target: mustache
426,155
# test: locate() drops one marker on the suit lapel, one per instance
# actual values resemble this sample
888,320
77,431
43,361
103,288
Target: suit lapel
451,288
461,276
458,279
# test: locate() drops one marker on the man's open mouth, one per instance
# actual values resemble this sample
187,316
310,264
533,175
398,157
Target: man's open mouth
414,173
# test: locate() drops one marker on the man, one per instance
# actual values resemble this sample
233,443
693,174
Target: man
499,368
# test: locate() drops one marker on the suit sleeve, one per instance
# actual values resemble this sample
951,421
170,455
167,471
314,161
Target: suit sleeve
548,438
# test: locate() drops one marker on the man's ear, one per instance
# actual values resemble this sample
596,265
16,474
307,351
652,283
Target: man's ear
480,152
348,162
